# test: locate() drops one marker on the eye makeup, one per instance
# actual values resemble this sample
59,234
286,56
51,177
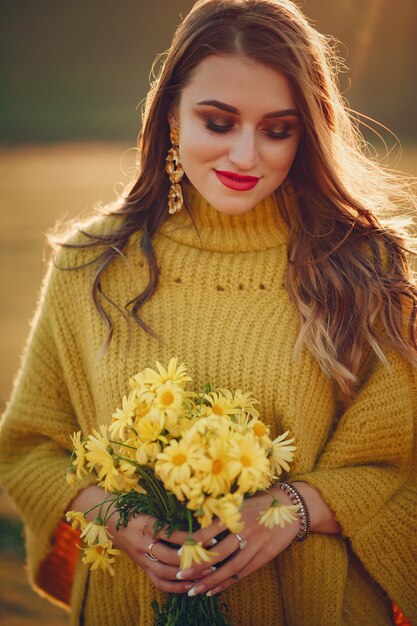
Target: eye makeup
273,132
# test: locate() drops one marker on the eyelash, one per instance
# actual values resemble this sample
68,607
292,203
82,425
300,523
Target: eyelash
217,128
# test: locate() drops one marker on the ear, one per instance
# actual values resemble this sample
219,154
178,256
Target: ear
173,118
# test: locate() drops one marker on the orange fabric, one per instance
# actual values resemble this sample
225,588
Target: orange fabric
400,618
56,572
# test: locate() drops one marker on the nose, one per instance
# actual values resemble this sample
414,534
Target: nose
244,152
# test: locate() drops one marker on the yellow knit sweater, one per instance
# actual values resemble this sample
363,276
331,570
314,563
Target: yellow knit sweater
221,307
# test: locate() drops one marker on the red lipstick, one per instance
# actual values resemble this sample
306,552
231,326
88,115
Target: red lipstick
236,181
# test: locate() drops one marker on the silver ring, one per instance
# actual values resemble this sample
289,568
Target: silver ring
242,542
150,554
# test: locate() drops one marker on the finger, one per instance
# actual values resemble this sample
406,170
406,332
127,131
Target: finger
228,572
250,567
164,553
205,535
178,537
223,550
160,570
169,586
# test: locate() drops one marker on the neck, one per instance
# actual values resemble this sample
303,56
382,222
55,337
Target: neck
200,225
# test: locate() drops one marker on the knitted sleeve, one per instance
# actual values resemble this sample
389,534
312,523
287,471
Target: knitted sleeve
367,476
37,423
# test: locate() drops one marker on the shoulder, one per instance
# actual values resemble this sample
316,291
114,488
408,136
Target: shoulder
80,240
78,248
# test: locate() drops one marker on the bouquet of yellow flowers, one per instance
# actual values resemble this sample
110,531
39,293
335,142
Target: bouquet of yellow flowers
184,458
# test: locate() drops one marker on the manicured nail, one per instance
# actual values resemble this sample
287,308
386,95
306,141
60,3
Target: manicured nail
208,571
211,543
212,592
185,573
196,590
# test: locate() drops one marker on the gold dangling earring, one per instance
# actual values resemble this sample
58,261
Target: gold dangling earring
175,172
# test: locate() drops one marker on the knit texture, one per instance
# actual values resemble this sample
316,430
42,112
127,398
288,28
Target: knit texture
222,308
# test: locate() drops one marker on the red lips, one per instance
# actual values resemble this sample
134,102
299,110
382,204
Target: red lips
238,177
238,182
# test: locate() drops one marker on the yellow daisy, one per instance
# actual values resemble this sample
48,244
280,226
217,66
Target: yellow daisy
219,404
147,452
242,402
278,514
169,400
77,519
110,479
175,464
100,556
176,374
258,428
192,552
149,430
127,476
228,511
95,532
249,464
209,508
281,453
216,478
246,402
79,450
144,396
137,381
98,449
193,492
122,419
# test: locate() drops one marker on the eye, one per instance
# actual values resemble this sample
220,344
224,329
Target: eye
278,133
218,128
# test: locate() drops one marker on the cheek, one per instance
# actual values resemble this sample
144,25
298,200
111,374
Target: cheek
281,157
201,147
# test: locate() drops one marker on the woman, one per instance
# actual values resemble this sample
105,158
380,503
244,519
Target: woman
273,244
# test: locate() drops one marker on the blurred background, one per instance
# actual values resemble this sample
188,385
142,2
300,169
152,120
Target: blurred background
73,75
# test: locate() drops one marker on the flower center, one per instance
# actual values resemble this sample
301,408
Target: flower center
259,429
245,460
167,398
179,459
217,466
217,410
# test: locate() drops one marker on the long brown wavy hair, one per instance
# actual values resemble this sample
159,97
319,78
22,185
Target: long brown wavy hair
347,274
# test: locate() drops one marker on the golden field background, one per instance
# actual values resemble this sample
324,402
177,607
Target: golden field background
38,186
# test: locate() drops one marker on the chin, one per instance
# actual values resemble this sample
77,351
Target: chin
234,210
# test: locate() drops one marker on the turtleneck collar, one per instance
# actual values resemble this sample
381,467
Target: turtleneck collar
260,228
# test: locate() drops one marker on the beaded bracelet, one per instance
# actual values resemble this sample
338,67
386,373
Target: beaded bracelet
303,511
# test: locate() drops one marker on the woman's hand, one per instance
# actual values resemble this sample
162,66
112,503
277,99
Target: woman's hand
137,540
263,544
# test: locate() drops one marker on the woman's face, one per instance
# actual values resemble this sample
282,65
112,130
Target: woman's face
239,131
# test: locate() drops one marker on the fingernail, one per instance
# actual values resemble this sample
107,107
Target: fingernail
209,593
211,543
185,573
208,571
196,590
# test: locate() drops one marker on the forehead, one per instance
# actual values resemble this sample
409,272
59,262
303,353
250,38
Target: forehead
241,82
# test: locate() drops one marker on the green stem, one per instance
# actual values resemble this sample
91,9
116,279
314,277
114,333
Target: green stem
190,522
119,443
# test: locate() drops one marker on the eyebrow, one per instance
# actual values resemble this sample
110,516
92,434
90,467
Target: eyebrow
228,107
